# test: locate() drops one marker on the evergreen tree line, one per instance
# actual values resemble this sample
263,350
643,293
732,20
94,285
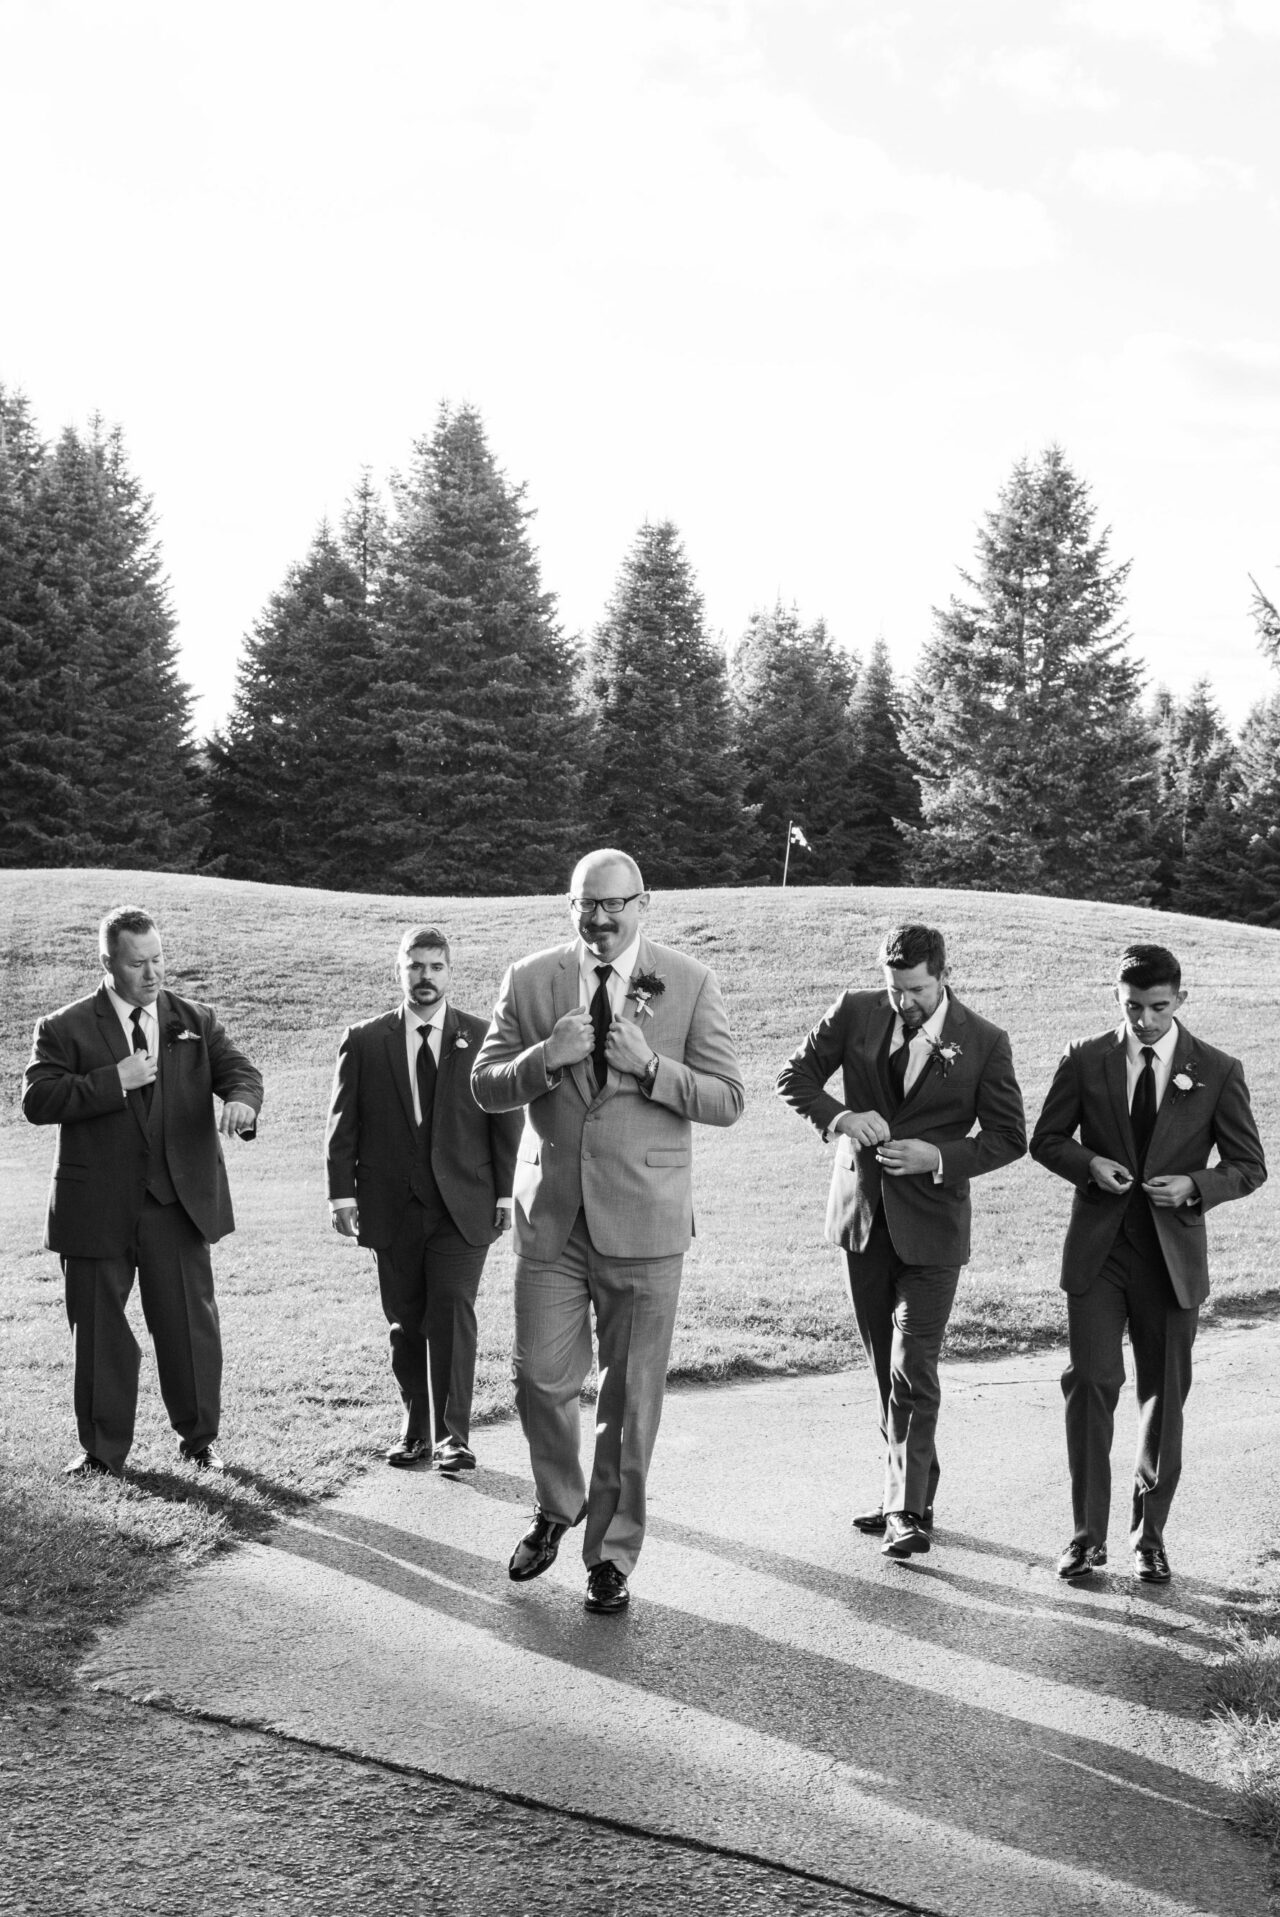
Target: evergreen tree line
410,717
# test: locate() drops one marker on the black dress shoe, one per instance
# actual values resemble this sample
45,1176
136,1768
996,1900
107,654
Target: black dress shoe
87,1466
537,1549
606,1589
205,1459
1151,1565
450,1457
1081,1560
873,1522
904,1534
409,1450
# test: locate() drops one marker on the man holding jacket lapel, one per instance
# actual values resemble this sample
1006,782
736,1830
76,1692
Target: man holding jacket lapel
616,1046
420,1174
129,1077
919,1072
1149,1102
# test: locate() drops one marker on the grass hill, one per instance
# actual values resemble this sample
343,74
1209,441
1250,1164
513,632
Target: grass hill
308,1390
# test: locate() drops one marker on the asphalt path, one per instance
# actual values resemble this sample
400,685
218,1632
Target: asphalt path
961,1734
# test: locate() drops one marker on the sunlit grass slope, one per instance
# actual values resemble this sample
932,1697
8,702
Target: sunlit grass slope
308,1390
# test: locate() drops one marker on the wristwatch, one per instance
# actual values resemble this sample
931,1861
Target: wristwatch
649,1075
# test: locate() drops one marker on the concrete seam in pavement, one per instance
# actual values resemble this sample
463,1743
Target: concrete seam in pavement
235,1722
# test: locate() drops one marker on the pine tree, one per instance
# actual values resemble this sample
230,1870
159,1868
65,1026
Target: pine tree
289,777
1035,762
1194,760
790,688
885,796
477,789
115,781
667,786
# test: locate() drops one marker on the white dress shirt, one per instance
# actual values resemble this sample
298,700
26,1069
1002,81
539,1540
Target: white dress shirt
623,966
1161,1065
432,1030
149,1022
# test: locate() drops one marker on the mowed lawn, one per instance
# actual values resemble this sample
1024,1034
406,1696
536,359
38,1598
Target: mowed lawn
308,1394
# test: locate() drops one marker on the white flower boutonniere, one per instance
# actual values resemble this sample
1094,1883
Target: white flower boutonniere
461,1043
178,1034
1183,1084
946,1055
644,986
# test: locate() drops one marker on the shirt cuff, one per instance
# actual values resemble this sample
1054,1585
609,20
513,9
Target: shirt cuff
342,1204
828,1130
505,1204
937,1176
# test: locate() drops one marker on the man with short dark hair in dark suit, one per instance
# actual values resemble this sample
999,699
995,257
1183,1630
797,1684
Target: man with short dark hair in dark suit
919,1072
420,1174
129,1076
1149,1102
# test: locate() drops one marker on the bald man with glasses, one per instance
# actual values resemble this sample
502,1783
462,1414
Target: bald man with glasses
616,1047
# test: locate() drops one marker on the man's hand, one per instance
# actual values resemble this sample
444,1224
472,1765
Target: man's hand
864,1128
626,1048
346,1220
905,1157
572,1038
237,1118
1170,1191
137,1070
1111,1175
502,1218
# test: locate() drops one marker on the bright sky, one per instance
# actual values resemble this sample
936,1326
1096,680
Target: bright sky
805,276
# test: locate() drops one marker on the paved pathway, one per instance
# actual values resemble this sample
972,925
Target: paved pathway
964,1734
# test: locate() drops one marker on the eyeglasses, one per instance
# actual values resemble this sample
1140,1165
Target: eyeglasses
585,907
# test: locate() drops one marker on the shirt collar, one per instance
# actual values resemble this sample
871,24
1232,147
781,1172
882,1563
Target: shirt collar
437,1017
624,965
1164,1048
124,1011
932,1027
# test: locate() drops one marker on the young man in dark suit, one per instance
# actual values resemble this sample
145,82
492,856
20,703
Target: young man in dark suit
129,1076
420,1174
919,1072
1130,1120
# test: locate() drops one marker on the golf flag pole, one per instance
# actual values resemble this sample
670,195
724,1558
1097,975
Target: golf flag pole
794,837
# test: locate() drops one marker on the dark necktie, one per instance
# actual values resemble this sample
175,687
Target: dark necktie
898,1067
1142,1113
601,1017
426,1077
140,1045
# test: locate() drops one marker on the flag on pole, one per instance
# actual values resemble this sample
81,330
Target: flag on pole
798,838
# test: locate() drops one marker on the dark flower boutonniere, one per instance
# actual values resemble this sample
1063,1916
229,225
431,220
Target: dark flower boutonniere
644,986
176,1033
945,1055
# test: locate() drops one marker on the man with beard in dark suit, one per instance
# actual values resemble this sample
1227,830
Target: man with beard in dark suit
919,1071
129,1076
418,1172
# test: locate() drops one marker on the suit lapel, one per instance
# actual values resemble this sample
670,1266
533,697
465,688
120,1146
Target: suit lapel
1113,1070
448,1038
119,1047
564,997
931,1075
398,1064
875,1050
1184,1060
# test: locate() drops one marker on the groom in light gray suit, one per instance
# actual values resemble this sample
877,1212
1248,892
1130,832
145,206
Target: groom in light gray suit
615,1046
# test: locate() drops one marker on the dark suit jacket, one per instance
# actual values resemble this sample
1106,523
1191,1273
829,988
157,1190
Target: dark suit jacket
928,1222
372,1146
100,1168
1089,1094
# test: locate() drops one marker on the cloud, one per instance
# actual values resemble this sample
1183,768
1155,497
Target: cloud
1257,16
1037,77
1132,178
1184,29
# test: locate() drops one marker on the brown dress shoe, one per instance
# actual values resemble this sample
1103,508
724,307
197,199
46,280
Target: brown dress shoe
606,1589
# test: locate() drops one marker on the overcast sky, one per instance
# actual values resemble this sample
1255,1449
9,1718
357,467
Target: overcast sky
805,276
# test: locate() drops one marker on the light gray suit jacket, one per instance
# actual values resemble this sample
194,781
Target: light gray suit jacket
620,1156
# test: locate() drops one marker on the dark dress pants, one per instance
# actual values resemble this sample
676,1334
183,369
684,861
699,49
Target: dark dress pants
428,1278
175,1282
902,1312
1132,1290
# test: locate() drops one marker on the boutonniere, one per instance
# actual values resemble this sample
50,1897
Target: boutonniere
1183,1084
644,986
461,1043
946,1055
176,1033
